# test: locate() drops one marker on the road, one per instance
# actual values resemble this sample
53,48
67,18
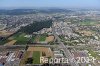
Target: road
66,51
29,45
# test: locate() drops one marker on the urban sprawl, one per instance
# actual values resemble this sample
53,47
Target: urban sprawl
34,36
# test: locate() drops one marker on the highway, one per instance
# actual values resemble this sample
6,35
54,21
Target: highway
66,51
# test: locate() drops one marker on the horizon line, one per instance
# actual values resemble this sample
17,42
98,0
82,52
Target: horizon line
47,7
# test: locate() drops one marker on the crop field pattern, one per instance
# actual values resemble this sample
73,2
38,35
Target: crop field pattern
20,38
36,57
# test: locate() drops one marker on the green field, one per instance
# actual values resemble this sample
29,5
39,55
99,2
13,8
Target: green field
36,57
20,38
89,23
33,38
42,38
94,54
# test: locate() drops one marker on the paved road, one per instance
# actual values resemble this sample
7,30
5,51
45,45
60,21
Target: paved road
30,46
66,51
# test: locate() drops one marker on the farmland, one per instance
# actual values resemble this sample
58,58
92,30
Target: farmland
49,38
5,33
23,38
41,49
94,54
33,54
36,57
37,52
33,39
42,38
19,38
26,55
46,38
89,23
11,42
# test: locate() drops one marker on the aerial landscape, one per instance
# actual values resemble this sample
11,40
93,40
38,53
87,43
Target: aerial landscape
49,33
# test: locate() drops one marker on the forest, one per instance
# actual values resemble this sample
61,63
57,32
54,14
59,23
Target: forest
36,26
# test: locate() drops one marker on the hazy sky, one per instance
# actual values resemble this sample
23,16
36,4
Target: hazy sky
51,3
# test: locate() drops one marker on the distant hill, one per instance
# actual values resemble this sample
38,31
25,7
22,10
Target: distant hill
31,11
16,12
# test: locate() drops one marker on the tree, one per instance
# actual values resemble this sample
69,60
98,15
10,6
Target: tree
29,61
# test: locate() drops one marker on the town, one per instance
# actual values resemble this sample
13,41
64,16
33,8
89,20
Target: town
50,33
